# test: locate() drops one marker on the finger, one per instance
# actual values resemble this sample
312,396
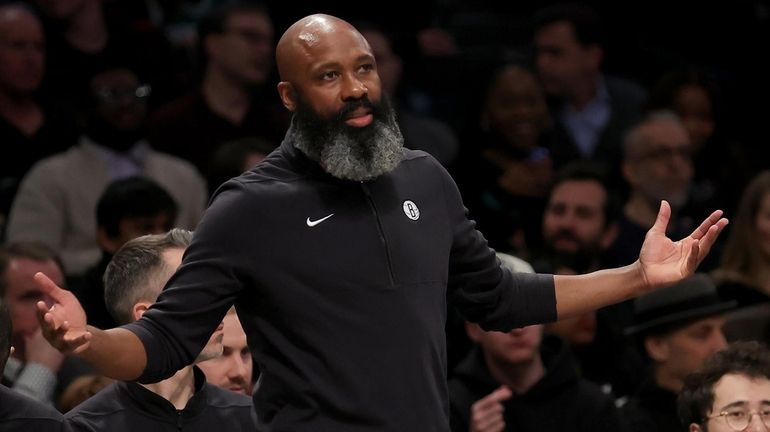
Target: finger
714,218
661,222
484,421
710,237
693,258
49,287
502,393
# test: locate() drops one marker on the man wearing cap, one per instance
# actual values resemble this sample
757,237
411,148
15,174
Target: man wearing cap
677,328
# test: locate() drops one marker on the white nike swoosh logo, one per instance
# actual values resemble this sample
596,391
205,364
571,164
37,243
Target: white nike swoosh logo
316,222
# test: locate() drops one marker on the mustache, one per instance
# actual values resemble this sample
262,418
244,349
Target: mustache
565,234
352,105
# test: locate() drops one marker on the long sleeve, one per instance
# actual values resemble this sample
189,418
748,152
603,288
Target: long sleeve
480,288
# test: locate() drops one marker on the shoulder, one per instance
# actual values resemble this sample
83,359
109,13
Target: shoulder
222,398
15,406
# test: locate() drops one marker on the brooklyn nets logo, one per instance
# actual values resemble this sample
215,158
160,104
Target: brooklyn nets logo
411,211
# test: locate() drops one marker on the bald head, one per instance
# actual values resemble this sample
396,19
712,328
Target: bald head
297,43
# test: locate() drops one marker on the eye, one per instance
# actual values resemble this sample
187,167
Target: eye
736,415
366,67
329,75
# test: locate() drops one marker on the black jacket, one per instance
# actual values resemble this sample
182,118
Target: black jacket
127,406
341,287
560,401
19,413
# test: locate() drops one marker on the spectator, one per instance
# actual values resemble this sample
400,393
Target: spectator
30,129
57,203
128,208
234,99
515,381
678,327
185,401
233,369
35,369
744,274
19,413
591,110
730,392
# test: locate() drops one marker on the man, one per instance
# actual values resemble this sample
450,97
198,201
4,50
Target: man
19,413
730,393
679,327
579,220
29,129
133,280
233,369
592,110
345,309
515,381
35,369
234,100
657,165
56,204
127,209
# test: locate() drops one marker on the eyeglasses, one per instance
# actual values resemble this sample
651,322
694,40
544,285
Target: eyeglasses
739,420
113,95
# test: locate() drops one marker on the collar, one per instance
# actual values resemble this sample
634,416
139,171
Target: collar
158,407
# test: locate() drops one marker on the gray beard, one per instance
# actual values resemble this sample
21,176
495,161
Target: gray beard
357,155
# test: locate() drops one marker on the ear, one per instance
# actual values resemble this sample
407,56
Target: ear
657,348
139,309
105,241
288,95
609,235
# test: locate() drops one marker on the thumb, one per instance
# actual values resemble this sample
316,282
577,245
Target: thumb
502,393
48,287
661,222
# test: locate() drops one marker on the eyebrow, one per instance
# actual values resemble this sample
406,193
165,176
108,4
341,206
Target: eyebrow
742,404
332,64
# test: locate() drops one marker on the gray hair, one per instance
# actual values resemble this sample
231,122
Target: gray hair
635,139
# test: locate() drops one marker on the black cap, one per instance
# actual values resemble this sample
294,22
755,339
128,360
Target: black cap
690,299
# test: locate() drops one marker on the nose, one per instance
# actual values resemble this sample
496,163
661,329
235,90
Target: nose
353,88
756,424
237,370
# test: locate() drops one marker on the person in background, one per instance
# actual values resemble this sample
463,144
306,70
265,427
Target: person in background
58,197
678,327
233,370
730,392
184,401
19,413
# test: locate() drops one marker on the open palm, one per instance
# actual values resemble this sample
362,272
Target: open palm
64,323
664,261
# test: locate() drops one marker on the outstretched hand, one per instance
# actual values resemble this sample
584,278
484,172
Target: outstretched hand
663,261
64,323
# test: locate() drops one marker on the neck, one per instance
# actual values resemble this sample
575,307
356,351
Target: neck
518,377
641,211
583,94
225,97
178,389
87,30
